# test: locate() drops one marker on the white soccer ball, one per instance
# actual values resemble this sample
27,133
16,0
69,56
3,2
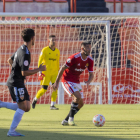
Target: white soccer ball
99,120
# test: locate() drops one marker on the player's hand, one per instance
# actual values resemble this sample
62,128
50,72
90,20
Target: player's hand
55,86
87,83
42,67
41,76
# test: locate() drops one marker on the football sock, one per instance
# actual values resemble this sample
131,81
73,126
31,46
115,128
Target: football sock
73,109
12,106
40,93
54,96
76,110
52,103
16,120
67,117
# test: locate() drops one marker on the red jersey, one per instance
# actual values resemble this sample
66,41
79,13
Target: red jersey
76,65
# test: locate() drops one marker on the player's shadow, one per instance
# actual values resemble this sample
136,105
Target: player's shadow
45,135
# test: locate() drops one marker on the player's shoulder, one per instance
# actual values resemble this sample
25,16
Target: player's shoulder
23,49
57,50
90,58
76,55
45,48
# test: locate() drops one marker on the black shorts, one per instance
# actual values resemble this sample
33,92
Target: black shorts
19,94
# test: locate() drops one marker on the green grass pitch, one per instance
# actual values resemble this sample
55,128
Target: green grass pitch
122,123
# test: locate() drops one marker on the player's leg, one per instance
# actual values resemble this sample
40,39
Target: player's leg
12,106
74,107
74,90
45,82
39,94
54,94
22,98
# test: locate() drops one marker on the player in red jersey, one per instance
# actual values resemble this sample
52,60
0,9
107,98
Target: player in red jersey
71,72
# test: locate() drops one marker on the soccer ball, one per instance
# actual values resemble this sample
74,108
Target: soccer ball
99,120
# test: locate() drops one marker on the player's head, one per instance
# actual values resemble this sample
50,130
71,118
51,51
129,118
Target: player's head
86,48
28,35
52,40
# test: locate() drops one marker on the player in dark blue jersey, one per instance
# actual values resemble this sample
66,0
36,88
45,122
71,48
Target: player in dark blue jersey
20,62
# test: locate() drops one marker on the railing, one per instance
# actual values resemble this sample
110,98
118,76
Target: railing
73,6
121,6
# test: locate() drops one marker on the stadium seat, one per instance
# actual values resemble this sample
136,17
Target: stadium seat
25,0
42,0
129,1
60,1
11,18
111,1
10,0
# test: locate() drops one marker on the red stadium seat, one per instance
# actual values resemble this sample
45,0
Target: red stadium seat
10,0
11,18
60,1
42,0
111,1
27,18
129,1
25,0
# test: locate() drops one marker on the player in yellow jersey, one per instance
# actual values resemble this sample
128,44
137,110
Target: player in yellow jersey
50,57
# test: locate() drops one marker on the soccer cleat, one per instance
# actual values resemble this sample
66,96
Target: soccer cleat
64,122
34,103
71,123
14,134
53,108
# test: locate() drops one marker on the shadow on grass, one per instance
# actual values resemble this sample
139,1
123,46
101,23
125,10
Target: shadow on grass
45,135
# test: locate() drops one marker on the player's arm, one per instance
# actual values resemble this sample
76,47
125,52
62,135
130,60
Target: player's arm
41,57
60,73
58,60
11,59
90,78
24,64
90,69
31,72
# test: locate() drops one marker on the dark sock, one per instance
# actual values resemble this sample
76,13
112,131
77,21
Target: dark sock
72,112
67,117
73,109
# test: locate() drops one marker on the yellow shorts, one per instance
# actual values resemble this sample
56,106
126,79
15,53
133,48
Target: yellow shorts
48,78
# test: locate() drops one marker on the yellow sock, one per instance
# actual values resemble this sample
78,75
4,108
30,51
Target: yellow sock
54,96
40,93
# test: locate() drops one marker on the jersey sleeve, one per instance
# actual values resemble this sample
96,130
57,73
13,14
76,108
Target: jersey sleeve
24,62
70,61
12,57
58,60
41,57
90,66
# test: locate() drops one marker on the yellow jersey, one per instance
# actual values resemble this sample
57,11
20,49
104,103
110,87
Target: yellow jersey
49,58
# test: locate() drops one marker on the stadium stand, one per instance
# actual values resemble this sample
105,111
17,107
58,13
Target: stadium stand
91,6
60,1
42,0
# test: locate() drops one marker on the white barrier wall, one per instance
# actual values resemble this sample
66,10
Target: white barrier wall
35,7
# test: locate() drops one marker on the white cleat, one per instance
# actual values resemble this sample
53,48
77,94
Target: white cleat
64,122
14,134
71,123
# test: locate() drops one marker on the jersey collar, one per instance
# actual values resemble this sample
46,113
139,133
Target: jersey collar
82,58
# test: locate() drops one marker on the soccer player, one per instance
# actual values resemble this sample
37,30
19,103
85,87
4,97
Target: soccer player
50,57
71,71
20,62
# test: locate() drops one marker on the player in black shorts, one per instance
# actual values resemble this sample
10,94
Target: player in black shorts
20,62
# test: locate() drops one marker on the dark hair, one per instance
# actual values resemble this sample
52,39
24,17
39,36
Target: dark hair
51,36
27,34
85,43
